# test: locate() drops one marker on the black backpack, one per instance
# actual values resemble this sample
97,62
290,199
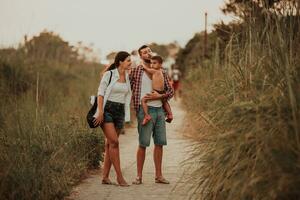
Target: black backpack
90,116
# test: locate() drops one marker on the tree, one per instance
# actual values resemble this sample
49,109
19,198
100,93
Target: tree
246,8
48,46
160,49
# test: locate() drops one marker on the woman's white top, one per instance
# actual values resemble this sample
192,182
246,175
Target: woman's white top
107,91
118,92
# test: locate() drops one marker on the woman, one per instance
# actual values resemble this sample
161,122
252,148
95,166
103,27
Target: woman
114,95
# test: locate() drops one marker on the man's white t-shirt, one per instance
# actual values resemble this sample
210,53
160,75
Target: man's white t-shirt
146,88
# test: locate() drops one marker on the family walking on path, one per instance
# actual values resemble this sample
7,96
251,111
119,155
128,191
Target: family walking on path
148,87
174,153
119,86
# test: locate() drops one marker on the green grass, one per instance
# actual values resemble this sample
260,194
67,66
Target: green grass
45,143
250,147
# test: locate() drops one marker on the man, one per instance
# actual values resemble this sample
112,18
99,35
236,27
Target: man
141,86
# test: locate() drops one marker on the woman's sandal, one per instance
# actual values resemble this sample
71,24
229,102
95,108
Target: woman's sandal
161,180
137,181
107,182
123,184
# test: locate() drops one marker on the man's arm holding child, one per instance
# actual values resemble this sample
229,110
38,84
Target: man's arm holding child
169,92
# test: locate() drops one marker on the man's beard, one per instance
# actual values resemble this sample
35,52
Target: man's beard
148,61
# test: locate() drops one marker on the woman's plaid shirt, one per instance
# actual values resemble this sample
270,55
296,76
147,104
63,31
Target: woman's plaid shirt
135,78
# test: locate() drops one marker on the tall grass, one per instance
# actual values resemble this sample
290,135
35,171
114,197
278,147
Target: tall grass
45,144
250,145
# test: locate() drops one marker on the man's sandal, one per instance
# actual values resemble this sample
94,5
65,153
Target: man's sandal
137,181
161,180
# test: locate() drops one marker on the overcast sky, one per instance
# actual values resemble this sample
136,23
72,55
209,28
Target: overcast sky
111,25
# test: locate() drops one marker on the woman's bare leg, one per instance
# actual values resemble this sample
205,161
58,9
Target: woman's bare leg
113,150
106,164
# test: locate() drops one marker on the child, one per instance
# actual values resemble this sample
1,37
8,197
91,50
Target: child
158,85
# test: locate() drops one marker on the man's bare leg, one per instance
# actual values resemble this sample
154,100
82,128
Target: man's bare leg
157,155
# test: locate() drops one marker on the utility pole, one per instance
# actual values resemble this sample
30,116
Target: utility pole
205,37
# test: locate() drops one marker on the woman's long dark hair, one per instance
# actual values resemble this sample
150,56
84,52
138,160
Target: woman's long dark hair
120,57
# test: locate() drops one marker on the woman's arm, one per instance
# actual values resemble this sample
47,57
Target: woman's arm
101,93
100,103
99,118
103,84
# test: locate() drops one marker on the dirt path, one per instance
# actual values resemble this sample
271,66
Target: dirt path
174,153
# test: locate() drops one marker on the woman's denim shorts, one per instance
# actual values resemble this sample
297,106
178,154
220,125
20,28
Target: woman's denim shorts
114,113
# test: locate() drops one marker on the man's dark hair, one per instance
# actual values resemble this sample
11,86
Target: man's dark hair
158,59
142,47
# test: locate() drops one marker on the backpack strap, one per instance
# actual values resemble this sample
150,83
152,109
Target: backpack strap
110,77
